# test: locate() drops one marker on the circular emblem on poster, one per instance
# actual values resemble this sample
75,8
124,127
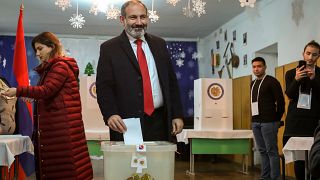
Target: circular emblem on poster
215,91
92,90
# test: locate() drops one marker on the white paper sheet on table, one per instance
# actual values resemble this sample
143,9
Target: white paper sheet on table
133,135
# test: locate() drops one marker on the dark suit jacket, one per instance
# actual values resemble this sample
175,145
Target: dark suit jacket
119,80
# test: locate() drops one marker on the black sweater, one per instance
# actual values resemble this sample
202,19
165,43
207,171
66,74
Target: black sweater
302,122
270,102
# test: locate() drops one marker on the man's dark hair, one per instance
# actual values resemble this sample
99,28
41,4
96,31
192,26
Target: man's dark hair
260,59
312,43
126,4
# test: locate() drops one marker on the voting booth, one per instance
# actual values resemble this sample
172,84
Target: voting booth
94,125
213,108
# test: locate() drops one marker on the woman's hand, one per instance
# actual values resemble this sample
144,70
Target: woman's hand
28,100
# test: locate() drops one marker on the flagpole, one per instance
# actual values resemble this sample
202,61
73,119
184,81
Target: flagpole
21,6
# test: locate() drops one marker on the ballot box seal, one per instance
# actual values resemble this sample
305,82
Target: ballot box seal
215,91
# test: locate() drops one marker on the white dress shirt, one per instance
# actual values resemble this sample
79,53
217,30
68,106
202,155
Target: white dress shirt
153,73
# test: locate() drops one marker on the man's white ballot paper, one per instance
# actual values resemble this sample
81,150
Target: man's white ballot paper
133,135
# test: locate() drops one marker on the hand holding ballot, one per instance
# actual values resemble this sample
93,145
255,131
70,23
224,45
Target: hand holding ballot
116,123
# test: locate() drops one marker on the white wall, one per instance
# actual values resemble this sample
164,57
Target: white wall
268,23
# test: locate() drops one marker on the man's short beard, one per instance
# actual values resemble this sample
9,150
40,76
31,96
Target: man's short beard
136,34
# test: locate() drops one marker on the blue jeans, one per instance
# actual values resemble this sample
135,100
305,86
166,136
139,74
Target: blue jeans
265,135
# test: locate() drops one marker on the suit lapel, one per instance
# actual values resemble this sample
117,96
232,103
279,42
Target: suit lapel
126,46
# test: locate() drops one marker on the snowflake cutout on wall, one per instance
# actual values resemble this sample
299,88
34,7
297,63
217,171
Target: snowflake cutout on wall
190,94
4,62
190,112
191,64
179,62
196,56
199,7
178,75
77,21
63,4
173,2
183,55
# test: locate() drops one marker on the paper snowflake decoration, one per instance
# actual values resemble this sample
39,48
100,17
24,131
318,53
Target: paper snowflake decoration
190,64
190,111
190,94
94,8
199,7
178,75
112,13
77,21
179,62
173,2
182,54
63,4
4,62
153,16
196,56
187,11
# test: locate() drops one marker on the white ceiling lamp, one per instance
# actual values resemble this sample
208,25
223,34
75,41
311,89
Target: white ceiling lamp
249,3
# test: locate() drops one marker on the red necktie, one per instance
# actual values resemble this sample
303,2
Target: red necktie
147,91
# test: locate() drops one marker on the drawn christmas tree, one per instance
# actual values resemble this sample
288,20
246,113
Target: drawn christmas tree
89,69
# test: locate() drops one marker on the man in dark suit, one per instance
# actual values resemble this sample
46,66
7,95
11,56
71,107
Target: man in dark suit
135,79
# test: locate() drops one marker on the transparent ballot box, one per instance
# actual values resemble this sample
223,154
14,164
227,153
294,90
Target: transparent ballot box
120,159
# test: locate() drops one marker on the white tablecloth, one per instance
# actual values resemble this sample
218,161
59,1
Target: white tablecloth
296,147
11,145
223,134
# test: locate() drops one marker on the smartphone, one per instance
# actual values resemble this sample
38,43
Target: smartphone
302,63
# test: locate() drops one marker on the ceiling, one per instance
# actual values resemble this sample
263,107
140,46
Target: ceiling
43,15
